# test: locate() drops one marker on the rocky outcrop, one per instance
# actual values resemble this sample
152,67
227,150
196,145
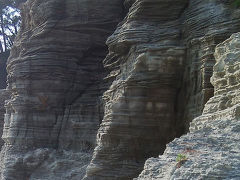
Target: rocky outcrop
140,112
55,76
162,60
155,80
205,24
210,150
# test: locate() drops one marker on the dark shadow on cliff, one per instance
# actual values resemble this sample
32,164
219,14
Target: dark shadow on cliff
3,72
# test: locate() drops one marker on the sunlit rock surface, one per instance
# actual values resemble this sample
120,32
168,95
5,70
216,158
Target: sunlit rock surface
211,149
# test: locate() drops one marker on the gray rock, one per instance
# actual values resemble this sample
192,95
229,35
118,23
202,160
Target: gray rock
146,58
4,95
56,77
211,150
161,56
155,80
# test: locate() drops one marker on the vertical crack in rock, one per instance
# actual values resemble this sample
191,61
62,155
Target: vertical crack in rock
205,24
211,147
55,76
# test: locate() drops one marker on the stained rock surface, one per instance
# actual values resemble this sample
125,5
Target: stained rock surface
211,149
70,95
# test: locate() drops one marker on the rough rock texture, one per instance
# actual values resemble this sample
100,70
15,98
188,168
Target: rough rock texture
140,112
4,95
162,57
55,75
62,165
155,81
205,24
211,148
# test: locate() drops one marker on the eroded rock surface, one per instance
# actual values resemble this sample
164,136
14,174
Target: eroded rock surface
140,112
211,148
205,24
55,75
162,57
155,80
4,95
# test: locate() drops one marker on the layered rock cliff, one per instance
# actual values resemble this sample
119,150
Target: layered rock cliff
56,79
211,149
162,55
73,101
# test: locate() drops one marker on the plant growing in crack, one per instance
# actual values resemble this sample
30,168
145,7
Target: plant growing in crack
181,159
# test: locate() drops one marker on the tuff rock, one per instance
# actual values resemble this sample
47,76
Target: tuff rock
78,110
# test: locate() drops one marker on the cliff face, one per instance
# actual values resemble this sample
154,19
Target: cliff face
55,75
70,95
4,94
162,55
211,150
146,56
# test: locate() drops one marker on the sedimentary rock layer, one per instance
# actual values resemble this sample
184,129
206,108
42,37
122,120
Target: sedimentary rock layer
140,112
149,103
205,24
156,79
4,95
211,149
55,75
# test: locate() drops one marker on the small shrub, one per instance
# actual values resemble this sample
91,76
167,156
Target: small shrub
181,159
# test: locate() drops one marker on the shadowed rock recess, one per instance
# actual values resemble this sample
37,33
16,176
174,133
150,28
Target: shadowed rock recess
212,148
70,95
